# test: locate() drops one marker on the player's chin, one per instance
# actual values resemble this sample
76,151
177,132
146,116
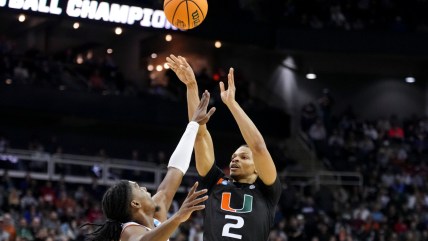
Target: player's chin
235,175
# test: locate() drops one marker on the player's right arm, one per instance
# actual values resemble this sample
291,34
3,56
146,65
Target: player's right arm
204,149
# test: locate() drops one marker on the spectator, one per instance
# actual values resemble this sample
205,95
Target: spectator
28,200
13,201
9,226
47,194
23,231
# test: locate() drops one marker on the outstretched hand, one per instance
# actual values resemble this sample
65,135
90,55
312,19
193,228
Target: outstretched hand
192,203
201,116
181,68
228,96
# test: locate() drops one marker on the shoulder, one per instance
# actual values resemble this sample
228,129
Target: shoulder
125,225
270,191
212,178
132,231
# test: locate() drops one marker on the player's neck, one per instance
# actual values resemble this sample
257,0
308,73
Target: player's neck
248,179
145,220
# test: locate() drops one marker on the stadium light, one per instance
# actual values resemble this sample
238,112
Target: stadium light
410,79
311,75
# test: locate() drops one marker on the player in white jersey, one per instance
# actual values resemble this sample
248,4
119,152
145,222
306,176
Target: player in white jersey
131,211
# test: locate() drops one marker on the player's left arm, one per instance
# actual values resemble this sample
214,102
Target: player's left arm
180,159
263,162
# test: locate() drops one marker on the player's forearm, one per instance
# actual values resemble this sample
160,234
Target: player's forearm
178,164
262,159
204,153
192,98
249,131
166,191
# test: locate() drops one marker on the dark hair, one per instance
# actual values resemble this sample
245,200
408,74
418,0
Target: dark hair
115,205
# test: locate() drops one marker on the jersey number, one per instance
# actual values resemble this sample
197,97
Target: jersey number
226,228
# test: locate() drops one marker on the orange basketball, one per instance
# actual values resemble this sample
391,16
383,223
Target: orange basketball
185,14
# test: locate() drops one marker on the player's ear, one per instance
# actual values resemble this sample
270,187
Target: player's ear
135,204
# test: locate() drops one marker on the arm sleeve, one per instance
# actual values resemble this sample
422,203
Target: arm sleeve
182,154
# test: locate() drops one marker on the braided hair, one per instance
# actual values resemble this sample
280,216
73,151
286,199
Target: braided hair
115,205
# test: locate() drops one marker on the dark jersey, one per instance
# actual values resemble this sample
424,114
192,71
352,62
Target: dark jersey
238,211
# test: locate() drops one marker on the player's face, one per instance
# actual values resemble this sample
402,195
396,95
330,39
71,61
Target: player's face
142,196
242,164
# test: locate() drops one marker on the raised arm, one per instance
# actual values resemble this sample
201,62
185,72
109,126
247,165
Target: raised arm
180,159
204,149
263,162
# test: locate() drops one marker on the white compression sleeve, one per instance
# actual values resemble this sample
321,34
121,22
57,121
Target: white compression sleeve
182,154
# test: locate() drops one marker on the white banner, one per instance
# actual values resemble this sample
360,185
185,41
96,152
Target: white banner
94,10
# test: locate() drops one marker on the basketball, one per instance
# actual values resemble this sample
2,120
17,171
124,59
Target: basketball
185,14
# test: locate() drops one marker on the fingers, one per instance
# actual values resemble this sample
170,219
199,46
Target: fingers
183,61
173,61
211,112
170,62
195,198
198,201
203,104
200,192
205,96
193,193
192,190
172,65
177,60
231,78
193,201
221,86
196,208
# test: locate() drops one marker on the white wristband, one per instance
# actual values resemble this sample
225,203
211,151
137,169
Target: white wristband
182,154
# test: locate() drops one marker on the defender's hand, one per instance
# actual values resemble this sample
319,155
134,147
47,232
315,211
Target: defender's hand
201,116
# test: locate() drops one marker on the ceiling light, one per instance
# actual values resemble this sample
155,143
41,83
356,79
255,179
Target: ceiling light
410,79
311,76
76,25
118,30
21,18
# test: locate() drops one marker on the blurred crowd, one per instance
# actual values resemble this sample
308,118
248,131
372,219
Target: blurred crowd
360,15
87,70
390,153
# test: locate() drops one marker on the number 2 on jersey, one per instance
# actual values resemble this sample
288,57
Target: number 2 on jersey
226,228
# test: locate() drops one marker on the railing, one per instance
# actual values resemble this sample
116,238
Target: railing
87,169
81,169
322,178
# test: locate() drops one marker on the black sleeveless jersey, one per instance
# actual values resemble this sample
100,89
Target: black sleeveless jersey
238,211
